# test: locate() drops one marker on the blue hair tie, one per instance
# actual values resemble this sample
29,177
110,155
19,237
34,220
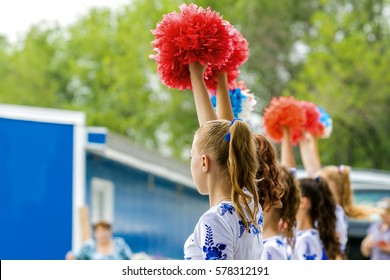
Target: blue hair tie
317,179
293,171
227,136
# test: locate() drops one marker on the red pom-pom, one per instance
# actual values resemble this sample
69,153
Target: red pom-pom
312,125
283,111
194,34
239,56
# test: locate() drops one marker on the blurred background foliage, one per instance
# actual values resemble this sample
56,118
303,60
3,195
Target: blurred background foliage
333,53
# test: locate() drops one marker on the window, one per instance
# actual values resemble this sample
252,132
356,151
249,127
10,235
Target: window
102,200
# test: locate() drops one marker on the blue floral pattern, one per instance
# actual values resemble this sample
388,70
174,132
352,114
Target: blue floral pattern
279,243
242,228
251,229
308,255
225,207
216,235
213,252
261,220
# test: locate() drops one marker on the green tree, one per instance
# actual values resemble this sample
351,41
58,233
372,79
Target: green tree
30,74
346,72
100,64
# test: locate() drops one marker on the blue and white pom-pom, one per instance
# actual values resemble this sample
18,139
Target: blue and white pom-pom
243,103
326,121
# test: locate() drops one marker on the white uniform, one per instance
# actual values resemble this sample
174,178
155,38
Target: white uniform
308,246
342,226
275,248
220,235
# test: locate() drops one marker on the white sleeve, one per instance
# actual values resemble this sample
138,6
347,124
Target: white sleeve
271,253
306,248
216,238
342,226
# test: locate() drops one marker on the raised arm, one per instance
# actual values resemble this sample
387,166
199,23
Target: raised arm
224,106
287,155
310,155
204,108
366,246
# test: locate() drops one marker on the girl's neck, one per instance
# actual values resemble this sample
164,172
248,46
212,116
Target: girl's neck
218,192
304,223
270,229
271,225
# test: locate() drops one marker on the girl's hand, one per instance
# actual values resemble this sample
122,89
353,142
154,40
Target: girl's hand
224,106
222,78
197,69
204,108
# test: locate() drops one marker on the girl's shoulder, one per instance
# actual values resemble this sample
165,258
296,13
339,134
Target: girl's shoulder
276,241
308,245
223,211
274,249
225,214
307,234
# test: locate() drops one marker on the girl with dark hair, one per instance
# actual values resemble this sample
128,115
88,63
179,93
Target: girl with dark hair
338,180
316,223
280,220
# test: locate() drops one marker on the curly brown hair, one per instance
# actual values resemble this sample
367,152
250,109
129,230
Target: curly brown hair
269,182
291,200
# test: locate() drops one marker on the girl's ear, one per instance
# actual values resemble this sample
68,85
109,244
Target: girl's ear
205,163
305,202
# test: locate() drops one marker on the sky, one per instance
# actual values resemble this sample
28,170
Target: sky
16,16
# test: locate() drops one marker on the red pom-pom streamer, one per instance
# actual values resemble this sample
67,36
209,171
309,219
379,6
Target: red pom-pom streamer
312,125
194,34
239,56
283,111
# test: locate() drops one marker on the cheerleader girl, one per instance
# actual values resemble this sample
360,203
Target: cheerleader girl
223,166
316,222
279,223
338,180
246,238
223,155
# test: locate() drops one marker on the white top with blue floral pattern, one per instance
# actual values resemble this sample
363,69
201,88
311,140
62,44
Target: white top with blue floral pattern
308,245
220,235
275,248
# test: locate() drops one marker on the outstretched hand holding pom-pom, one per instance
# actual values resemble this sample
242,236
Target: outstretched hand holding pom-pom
312,124
283,112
